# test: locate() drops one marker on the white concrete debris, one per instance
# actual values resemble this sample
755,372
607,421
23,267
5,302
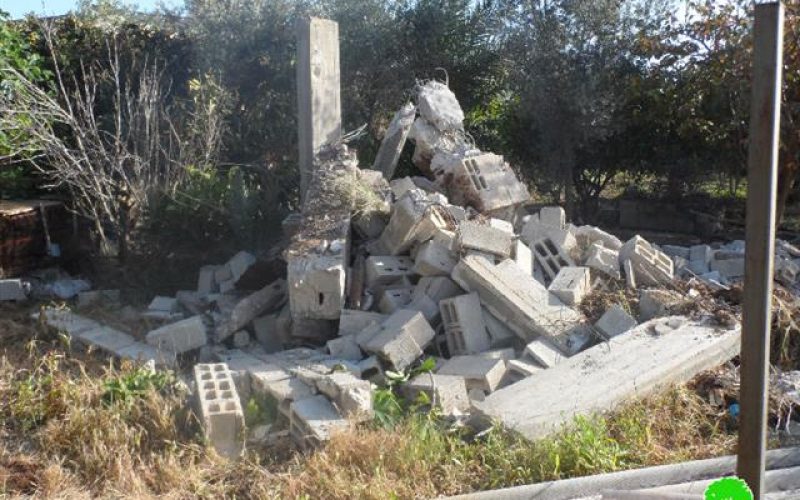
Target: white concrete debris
221,414
651,266
439,106
180,337
571,284
463,325
484,238
393,140
615,321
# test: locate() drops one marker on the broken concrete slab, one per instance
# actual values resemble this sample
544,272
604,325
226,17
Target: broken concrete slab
447,392
313,420
221,414
394,139
463,325
479,372
632,365
414,219
516,299
351,395
571,285
544,353
434,259
254,305
730,269
180,337
604,260
438,105
588,235
352,322
655,303
615,321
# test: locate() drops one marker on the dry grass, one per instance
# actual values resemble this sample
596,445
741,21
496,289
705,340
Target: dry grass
61,437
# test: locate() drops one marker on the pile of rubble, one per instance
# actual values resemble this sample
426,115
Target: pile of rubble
380,275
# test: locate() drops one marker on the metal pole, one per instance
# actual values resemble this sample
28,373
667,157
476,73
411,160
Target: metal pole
760,247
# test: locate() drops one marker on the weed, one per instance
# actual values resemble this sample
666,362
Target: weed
137,383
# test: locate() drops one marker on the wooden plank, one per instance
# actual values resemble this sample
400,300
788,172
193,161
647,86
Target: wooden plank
760,241
633,364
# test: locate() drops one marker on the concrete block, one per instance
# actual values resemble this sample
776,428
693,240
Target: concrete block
698,266
553,216
657,303
630,274
571,284
588,235
615,321
401,186
179,337
315,330
164,304
519,369
434,259
500,335
227,286
394,299
651,266
677,251
240,263
426,306
438,106
394,139
220,410
486,183
317,286
352,321
502,225
106,338
414,219
701,253
447,392
382,271
372,370
730,269
12,290
351,395
254,305
479,372
273,331
285,391
550,258
523,257
65,320
206,282
313,420
399,340
543,353
345,348
445,238
437,288
463,325
473,235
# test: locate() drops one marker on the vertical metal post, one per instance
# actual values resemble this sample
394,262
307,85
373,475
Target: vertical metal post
760,246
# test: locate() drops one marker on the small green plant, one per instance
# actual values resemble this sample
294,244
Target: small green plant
38,395
389,406
260,410
125,388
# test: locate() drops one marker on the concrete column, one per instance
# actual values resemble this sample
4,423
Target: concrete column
319,104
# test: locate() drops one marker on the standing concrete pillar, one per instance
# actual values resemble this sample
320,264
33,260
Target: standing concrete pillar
319,103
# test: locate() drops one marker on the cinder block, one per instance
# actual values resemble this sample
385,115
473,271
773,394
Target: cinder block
12,290
179,337
313,420
393,140
254,305
651,266
426,306
317,285
437,288
401,186
65,320
543,353
433,259
519,369
523,257
345,348
502,225
382,271
571,284
479,372
223,273
730,269
447,392
106,338
353,321
394,299
472,235
553,216
485,182
240,263
285,391
351,395
502,354
550,258
588,235
413,219
221,413
206,283
399,340
463,325
677,251
615,321
604,260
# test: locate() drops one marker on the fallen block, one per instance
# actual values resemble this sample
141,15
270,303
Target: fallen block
447,392
438,105
239,264
394,299
351,395
603,260
629,366
434,259
352,321
317,285
588,235
382,271
12,290
543,353
180,337
500,335
655,303
571,284
523,257
479,372
550,257
437,288
472,235
273,331
345,348
220,411
463,325
254,305
414,219
485,182
399,340
518,300
206,283
313,420
652,267
615,321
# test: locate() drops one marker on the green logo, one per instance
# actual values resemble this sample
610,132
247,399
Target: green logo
728,488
